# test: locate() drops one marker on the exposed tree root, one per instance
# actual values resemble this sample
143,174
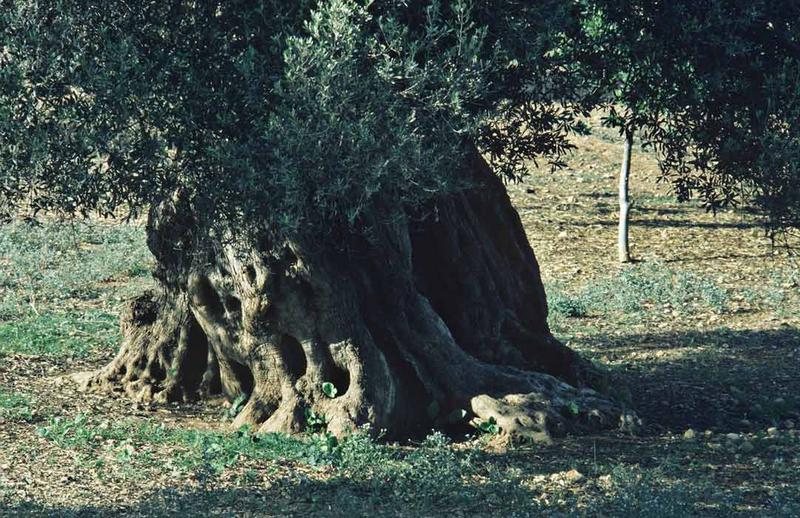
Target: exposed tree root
424,318
164,356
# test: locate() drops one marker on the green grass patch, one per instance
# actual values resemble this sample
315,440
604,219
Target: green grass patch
435,474
45,265
15,406
636,290
780,293
59,334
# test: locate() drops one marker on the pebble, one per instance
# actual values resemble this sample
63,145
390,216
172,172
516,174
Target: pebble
573,476
789,424
733,437
747,447
689,434
604,481
772,431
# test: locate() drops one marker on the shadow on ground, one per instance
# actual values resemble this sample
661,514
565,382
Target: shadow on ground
720,379
307,497
666,223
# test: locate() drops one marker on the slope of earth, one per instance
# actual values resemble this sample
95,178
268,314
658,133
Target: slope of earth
701,336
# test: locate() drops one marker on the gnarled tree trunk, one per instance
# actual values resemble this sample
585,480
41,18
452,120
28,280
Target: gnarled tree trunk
422,318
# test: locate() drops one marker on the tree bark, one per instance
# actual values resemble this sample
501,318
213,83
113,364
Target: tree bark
624,200
420,319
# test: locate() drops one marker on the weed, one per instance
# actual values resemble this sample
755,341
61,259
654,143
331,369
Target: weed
315,422
637,289
329,389
567,306
16,407
487,426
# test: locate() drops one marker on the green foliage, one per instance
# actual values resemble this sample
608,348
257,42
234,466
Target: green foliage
357,472
488,426
712,85
656,285
638,288
572,409
780,293
329,389
268,117
75,432
195,448
567,306
315,422
237,405
295,118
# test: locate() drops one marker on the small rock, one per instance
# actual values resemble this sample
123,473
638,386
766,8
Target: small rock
772,431
630,422
746,424
747,447
789,424
779,401
689,434
573,476
733,437
708,434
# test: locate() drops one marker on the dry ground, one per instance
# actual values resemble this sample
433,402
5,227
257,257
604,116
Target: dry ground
702,336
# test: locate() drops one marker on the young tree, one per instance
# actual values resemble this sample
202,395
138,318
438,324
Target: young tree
712,85
623,247
328,237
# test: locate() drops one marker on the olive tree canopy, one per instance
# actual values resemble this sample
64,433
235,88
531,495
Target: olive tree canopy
332,236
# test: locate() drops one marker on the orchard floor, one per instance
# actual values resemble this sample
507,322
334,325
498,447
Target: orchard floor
704,331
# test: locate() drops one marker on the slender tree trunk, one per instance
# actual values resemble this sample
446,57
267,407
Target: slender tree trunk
624,200
416,322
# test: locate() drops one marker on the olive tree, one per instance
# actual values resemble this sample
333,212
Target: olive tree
323,183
